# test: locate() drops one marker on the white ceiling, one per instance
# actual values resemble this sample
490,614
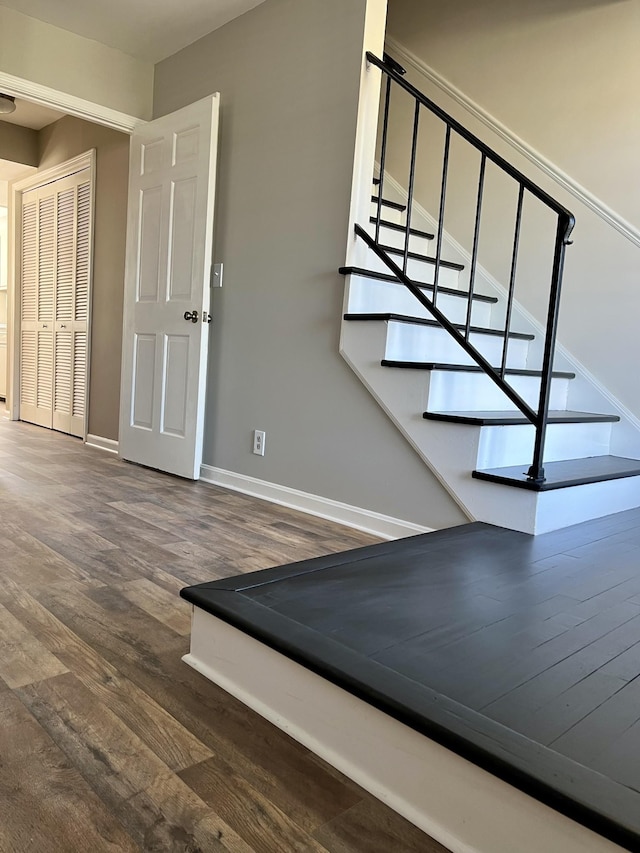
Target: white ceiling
148,29
31,115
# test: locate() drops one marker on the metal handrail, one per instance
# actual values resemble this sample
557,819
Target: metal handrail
470,137
565,224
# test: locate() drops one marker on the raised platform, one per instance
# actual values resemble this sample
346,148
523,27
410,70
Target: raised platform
519,654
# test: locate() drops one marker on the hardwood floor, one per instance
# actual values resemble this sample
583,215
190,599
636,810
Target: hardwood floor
108,742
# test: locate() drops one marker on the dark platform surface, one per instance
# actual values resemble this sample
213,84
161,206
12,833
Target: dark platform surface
519,653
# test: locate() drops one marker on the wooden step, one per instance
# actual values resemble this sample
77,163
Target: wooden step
393,226
516,418
423,321
466,368
392,279
393,205
427,259
568,472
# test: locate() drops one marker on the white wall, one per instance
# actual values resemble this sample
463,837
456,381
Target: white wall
41,53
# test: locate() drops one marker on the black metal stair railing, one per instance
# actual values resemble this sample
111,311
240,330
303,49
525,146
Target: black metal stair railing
393,73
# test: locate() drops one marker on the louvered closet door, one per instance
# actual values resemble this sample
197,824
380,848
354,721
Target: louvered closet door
56,226
38,258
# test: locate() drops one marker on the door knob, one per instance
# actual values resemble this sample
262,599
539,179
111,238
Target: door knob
191,315
206,318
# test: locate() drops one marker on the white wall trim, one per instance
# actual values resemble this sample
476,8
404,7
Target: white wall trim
100,443
566,182
366,520
19,87
62,170
366,128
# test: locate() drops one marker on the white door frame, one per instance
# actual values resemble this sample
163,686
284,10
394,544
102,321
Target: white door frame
14,293
45,96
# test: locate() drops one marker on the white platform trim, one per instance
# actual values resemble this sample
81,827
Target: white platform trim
566,182
460,805
99,443
359,518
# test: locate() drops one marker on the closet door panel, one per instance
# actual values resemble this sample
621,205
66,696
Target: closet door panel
29,306
55,293
80,353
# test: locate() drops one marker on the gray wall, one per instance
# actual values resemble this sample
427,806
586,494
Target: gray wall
288,74
18,144
563,77
59,142
562,74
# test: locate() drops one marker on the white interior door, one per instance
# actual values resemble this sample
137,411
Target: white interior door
166,305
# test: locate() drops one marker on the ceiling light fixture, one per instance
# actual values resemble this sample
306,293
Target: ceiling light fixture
7,104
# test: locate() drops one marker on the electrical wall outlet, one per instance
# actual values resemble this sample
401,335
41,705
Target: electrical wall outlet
258,442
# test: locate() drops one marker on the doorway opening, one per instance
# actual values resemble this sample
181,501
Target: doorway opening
56,137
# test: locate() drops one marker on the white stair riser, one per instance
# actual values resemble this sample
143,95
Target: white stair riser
418,271
501,446
388,213
426,343
391,237
371,296
453,451
450,391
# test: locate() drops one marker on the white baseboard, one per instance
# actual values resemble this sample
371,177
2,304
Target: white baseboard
100,443
366,520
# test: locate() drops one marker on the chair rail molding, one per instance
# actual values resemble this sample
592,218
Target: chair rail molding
624,227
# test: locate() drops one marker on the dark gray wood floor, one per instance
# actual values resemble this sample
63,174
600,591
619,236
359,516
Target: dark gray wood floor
108,742
521,653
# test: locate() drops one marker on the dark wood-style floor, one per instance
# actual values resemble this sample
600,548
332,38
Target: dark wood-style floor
520,653
108,742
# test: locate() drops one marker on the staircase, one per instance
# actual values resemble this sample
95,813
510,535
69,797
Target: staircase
473,383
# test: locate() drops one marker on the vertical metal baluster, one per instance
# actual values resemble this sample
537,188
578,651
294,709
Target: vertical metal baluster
476,237
412,174
443,193
565,225
383,155
512,281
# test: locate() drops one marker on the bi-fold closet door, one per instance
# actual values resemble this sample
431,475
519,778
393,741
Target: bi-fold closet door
54,297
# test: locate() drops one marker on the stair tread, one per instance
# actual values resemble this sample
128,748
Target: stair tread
418,256
394,205
394,226
470,368
383,276
512,418
568,472
425,321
